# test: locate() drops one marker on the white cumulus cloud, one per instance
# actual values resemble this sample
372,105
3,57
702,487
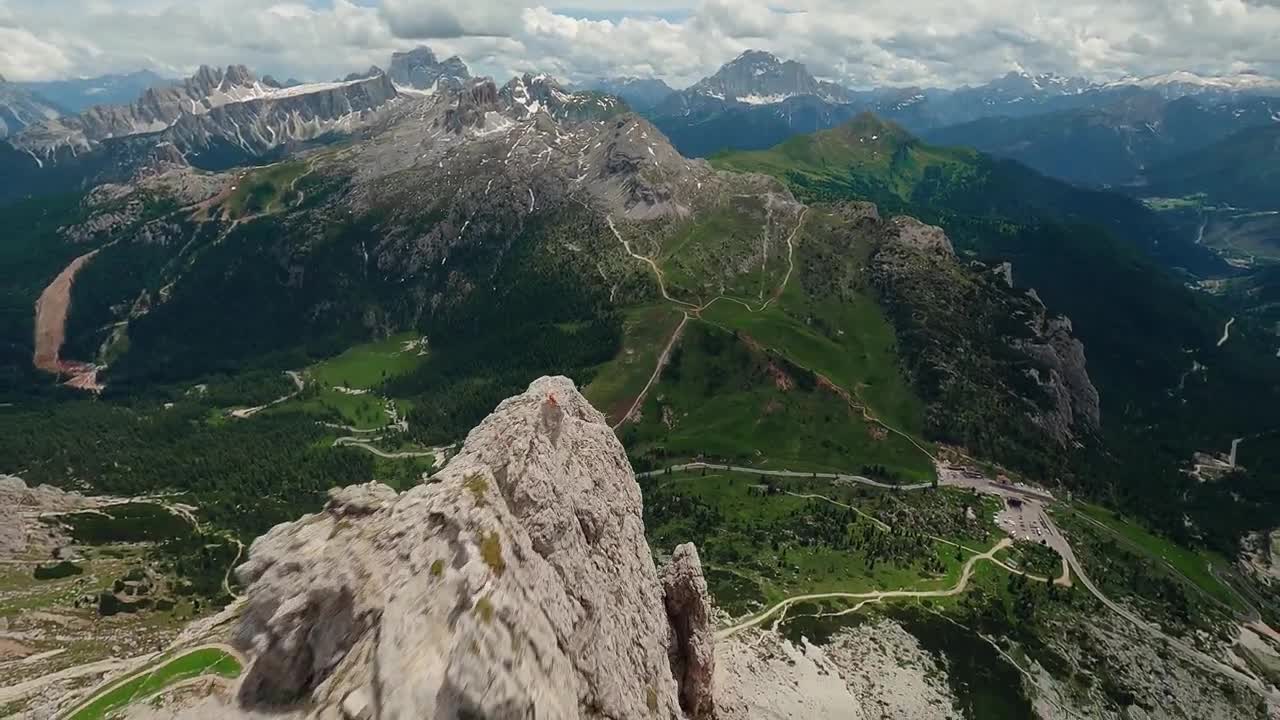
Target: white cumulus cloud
867,43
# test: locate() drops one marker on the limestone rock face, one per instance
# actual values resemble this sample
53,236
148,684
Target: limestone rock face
974,339
912,233
516,585
693,645
23,534
1075,399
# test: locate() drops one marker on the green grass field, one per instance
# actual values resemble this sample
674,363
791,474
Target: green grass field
761,547
699,260
857,352
1191,564
367,366
265,189
206,661
722,398
364,412
844,158
618,382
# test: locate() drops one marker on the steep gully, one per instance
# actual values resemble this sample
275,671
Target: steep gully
52,309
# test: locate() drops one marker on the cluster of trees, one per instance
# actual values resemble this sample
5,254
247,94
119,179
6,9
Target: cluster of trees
1174,604
245,475
537,317
823,524
880,472
761,543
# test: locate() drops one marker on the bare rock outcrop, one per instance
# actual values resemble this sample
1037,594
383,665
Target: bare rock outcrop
517,585
1075,401
23,534
987,354
911,233
692,651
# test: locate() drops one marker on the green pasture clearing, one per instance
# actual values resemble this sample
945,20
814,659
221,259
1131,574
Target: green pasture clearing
144,684
366,366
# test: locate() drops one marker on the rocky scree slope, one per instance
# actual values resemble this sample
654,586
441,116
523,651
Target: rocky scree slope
517,584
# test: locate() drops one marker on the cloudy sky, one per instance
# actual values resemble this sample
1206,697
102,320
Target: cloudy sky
859,42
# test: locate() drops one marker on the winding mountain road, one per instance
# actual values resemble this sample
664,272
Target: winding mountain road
1226,332
349,441
692,309
1033,500
299,384
966,573
786,474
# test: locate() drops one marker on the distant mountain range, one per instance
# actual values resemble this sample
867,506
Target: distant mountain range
1241,170
1068,127
20,107
642,94
419,69
1089,133
214,119
1111,144
80,94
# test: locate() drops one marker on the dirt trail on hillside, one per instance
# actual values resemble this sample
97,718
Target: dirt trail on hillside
966,572
52,309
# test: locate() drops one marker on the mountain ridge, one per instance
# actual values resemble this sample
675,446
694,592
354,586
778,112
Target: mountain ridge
79,94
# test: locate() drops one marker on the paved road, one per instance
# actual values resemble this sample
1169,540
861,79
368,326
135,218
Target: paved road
1033,503
876,595
1059,543
349,441
298,383
786,473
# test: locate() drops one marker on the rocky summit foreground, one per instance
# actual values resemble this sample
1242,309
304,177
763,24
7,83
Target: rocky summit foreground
517,585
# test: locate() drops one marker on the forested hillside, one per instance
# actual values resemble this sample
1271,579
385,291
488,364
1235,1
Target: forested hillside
1091,256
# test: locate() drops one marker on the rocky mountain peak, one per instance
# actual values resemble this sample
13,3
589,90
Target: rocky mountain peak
421,55
205,79
372,71
756,58
518,583
419,69
757,77
238,75
2,80
917,268
1020,82
470,108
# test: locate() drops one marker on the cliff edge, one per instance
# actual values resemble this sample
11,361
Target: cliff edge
518,584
